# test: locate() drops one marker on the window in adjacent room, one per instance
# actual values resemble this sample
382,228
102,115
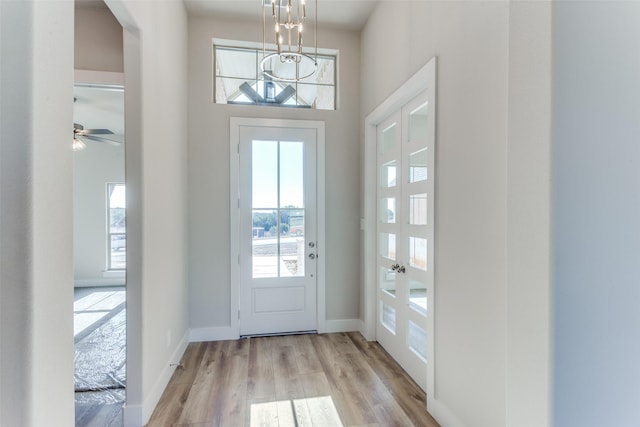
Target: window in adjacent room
116,227
238,80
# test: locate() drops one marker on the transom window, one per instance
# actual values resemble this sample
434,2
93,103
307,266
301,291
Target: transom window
238,80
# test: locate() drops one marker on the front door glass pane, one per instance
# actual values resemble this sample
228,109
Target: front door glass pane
292,242
265,243
291,175
264,182
278,215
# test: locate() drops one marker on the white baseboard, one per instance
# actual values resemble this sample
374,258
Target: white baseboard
214,333
368,333
442,414
132,415
139,415
107,281
341,325
159,386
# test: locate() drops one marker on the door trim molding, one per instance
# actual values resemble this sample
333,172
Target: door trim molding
423,80
234,195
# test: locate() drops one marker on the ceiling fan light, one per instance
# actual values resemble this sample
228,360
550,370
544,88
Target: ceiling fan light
78,145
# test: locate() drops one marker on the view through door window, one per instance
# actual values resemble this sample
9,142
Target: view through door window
278,210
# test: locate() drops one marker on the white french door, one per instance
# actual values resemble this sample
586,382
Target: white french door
405,194
277,230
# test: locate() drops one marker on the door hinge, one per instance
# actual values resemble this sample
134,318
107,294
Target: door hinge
238,203
238,314
238,146
238,258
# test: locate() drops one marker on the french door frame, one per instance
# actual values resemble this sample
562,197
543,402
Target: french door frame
234,199
423,80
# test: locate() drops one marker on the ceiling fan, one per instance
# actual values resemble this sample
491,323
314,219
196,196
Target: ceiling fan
92,134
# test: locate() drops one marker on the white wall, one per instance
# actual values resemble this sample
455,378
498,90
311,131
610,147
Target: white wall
492,207
36,182
155,64
93,168
36,282
529,323
596,199
209,235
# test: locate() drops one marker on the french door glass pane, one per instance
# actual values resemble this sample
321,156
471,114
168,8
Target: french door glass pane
418,340
388,175
418,209
388,281
418,166
418,296
388,210
389,317
388,245
418,124
389,138
418,253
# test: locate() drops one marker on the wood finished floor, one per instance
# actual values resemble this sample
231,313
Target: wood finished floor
323,380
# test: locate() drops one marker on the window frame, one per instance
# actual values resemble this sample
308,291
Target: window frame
248,46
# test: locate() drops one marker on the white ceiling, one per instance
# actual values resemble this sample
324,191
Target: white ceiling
349,14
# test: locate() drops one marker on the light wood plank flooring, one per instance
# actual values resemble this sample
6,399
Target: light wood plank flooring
298,380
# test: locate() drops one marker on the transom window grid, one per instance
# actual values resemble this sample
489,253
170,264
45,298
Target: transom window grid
238,80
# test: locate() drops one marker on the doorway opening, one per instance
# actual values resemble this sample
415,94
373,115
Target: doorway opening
99,254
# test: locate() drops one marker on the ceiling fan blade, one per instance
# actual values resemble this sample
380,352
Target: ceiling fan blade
104,140
97,132
78,126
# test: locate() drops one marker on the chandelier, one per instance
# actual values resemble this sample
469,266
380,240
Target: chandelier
289,63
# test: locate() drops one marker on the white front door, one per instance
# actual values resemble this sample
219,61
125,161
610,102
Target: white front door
405,146
277,230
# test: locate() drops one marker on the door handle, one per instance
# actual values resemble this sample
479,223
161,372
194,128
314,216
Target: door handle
312,256
399,268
